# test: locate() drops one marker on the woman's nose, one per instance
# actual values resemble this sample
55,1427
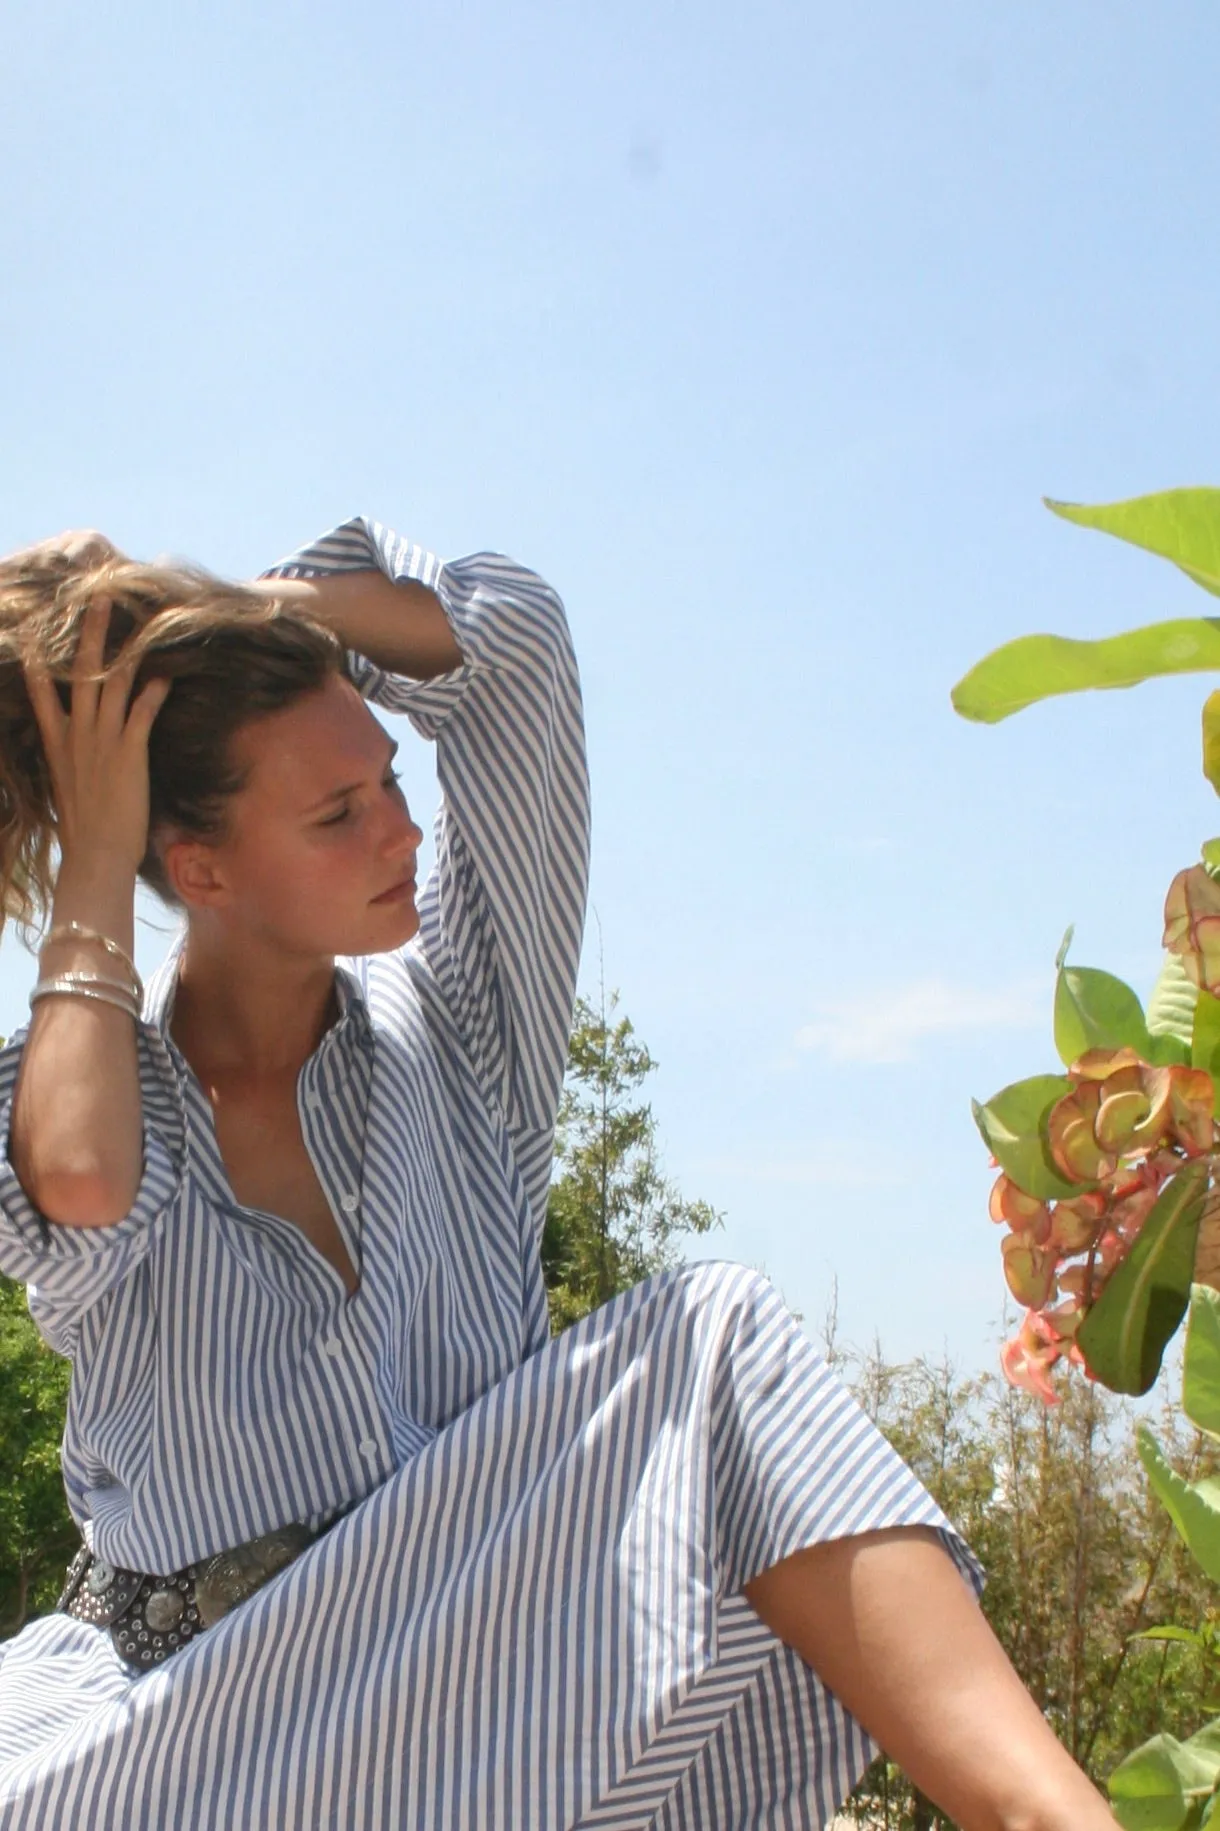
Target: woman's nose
404,835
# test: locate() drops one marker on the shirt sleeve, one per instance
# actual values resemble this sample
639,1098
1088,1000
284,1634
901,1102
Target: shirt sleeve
67,1269
502,913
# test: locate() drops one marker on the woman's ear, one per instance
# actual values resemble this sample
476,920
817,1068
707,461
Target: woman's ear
195,872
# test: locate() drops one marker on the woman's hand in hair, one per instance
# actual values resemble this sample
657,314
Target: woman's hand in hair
97,752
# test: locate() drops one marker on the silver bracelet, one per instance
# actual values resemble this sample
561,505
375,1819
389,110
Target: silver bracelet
77,985
76,931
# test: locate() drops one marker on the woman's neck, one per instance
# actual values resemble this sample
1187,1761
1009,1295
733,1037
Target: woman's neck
249,1010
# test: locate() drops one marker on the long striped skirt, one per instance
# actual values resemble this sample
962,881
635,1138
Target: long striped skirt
535,1624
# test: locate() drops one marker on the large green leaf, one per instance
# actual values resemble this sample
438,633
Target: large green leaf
1201,1369
1180,525
1171,1009
1194,1507
1199,1757
1013,1124
1094,1010
1039,667
1146,1791
1162,1785
1126,1332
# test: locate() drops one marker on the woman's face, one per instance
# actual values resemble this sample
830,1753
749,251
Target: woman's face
319,856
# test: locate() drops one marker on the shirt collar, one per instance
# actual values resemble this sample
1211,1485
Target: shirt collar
354,1022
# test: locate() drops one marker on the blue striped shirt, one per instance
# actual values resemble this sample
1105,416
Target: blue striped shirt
224,1382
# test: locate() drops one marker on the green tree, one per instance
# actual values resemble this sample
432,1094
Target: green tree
613,1217
37,1535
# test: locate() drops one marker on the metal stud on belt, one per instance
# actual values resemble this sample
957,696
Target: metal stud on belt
151,1617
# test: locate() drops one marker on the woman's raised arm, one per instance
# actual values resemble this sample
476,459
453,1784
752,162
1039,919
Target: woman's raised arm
502,913
76,1136
398,625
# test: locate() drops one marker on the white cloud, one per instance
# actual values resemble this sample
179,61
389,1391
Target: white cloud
886,1025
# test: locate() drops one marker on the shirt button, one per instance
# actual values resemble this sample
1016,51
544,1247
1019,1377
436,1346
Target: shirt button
368,1448
333,1347
349,1203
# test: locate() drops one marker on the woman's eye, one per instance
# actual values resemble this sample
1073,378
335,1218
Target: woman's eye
391,782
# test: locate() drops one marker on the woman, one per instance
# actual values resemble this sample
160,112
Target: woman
285,1221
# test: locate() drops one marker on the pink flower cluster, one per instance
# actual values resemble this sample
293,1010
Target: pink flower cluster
1121,1132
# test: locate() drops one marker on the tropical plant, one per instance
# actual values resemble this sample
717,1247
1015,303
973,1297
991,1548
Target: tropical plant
1108,1184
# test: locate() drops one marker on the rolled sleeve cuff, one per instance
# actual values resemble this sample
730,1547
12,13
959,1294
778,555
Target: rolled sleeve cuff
79,1261
361,545
503,616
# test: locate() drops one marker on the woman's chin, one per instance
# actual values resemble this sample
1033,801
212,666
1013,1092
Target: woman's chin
379,929
395,925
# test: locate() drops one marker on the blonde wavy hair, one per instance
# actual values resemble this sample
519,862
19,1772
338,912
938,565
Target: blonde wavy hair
234,654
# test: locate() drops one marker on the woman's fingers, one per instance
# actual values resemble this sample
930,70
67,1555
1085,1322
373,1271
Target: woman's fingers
97,746
87,664
91,645
51,717
114,696
108,699
145,707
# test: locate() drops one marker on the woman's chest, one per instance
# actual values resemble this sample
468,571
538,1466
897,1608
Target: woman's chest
267,1163
394,1149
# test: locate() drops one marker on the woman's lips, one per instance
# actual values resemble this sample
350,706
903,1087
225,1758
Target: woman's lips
397,893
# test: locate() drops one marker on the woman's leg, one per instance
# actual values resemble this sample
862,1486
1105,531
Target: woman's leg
887,1622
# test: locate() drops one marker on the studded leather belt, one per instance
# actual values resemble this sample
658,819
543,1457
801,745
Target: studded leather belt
151,1617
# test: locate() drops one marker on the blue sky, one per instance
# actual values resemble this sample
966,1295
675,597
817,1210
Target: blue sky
761,333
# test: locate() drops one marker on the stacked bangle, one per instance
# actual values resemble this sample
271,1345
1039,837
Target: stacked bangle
76,931
88,985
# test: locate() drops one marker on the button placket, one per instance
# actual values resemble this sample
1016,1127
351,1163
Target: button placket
344,1203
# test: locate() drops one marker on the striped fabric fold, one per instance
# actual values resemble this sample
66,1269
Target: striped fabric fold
528,1624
